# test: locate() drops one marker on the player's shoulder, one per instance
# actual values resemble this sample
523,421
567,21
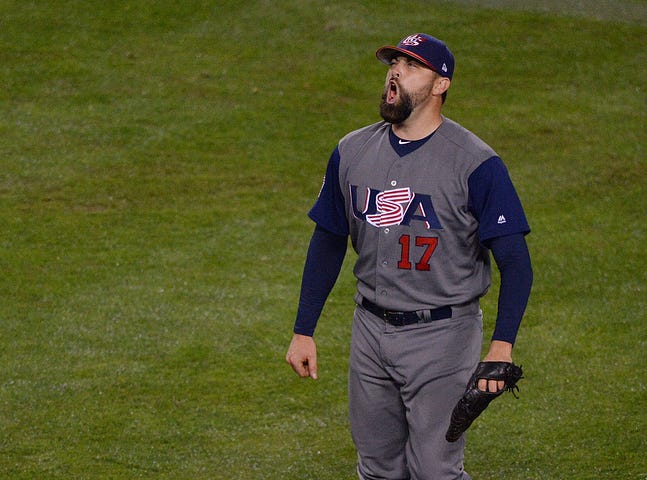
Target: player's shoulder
357,138
465,140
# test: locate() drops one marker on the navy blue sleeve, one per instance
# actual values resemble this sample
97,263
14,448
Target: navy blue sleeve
513,260
329,210
494,202
323,263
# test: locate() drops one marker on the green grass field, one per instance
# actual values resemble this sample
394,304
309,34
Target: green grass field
158,160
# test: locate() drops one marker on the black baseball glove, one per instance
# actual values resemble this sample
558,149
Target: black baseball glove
474,401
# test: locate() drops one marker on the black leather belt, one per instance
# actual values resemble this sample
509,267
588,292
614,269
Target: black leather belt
400,319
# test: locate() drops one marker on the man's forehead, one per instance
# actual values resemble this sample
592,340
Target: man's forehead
403,56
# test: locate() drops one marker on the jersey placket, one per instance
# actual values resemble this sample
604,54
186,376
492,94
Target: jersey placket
386,255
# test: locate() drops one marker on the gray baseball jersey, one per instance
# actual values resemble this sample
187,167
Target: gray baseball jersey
409,218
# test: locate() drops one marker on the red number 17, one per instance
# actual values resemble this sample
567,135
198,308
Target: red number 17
429,243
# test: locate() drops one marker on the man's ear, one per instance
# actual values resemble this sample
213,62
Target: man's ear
441,85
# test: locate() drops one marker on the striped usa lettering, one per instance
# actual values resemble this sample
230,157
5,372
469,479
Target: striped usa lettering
399,206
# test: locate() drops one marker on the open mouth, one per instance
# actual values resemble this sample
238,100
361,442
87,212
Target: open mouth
391,92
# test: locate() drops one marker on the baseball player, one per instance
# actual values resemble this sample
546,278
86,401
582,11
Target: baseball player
424,202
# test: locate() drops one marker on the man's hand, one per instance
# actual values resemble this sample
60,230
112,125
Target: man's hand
475,400
302,356
499,352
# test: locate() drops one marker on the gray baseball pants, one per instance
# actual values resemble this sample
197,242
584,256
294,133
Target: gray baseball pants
403,384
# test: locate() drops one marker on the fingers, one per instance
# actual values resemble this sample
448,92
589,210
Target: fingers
304,366
312,367
491,386
299,366
302,356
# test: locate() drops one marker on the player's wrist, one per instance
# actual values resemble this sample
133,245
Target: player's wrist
500,351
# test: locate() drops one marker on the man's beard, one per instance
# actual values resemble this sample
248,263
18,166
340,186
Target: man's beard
398,112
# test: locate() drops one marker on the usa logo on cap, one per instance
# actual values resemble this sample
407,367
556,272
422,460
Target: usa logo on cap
412,40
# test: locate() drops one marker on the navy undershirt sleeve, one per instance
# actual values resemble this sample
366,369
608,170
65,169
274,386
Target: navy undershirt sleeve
322,266
513,260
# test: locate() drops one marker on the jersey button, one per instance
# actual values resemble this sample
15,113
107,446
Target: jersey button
393,183
386,230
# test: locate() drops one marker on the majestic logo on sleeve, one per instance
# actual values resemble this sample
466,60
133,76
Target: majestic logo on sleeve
399,206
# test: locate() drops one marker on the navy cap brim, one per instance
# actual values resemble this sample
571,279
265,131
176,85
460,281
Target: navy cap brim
387,53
